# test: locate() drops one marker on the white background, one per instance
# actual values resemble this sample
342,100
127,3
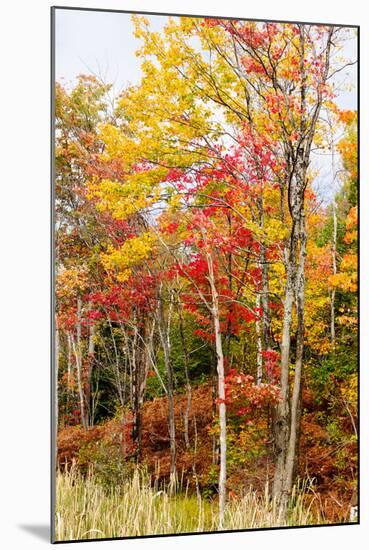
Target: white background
24,271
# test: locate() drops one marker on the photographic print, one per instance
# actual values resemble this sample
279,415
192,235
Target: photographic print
205,288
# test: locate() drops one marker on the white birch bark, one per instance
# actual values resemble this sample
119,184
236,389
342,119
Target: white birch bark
164,332
259,345
221,394
77,349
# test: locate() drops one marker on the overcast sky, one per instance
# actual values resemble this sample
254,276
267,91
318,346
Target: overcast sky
102,43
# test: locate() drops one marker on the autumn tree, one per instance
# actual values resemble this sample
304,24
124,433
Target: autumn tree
78,113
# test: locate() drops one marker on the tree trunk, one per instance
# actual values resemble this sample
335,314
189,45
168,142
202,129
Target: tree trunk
69,365
118,381
187,375
214,393
334,267
91,361
77,349
287,413
140,368
164,331
259,344
264,281
228,334
262,299
281,413
286,419
221,394
292,454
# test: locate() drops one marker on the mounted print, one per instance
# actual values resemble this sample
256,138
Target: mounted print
205,303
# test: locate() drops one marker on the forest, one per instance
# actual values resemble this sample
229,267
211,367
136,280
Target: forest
206,320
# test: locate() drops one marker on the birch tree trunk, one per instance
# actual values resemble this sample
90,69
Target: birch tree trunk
77,349
214,393
91,361
334,266
164,331
69,364
221,393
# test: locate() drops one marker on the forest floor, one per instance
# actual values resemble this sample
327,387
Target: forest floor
327,472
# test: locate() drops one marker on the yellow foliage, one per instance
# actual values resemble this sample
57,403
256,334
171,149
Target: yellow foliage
132,252
139,191
275,230
346,279
349,390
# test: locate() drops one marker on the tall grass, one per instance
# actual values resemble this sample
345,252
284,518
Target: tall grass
88,510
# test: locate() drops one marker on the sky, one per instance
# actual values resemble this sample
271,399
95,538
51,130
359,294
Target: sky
102,43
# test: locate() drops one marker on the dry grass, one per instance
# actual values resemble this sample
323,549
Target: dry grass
87,510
